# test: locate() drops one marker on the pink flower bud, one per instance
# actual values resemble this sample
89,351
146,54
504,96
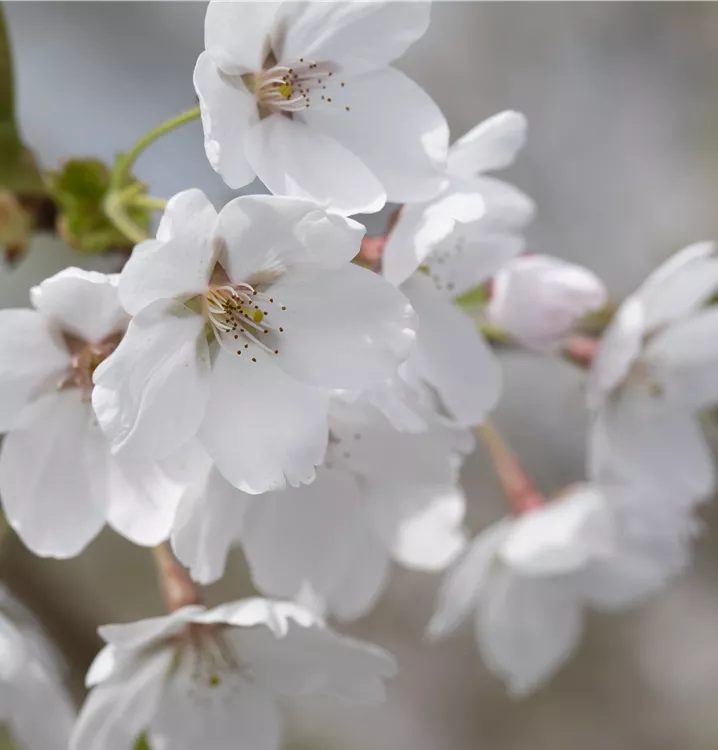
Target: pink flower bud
537,299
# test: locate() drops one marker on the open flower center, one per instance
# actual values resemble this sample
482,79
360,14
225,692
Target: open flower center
293,87
215,670
243,318
86,358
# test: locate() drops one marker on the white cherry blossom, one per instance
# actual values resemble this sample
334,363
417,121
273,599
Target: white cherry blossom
244,321
538,299
212,678
58,482
654,369
528,579
34,703
380,495
303,96
438,250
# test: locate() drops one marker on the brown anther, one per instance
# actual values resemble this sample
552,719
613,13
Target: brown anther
254,359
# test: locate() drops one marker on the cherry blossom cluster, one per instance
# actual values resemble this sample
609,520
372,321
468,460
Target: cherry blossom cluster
264,377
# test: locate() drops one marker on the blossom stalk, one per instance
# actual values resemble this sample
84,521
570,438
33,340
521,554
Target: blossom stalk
178,588
517,485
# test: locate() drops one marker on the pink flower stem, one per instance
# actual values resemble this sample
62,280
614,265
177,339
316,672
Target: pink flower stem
178,589
581,349
518,487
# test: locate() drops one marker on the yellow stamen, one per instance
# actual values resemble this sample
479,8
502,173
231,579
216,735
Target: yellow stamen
285,90
255,315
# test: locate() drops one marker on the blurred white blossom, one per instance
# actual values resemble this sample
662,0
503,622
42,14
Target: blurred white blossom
244,321
538,299
655,367
212,678
380,495
527,579
34,703
303,96
58,482
438,250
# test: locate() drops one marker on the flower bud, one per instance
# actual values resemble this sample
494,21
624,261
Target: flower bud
537,299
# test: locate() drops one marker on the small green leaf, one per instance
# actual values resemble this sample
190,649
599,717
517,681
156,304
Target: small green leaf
79,188
18,171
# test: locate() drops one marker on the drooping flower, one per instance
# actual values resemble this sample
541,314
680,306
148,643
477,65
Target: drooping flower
243,322
34,703
303,96
527,579
212,678
538,299
440,249
380,495
58,482
654,369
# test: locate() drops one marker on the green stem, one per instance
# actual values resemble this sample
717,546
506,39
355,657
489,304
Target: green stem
125,164
149,201
120,196
115,212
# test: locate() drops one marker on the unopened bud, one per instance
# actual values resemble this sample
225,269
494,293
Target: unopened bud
538,299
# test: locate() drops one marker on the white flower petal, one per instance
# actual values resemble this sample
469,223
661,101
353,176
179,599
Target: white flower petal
561,537
469,257
263,429
394,127
33,357
50,481
150,394
208,523
236,34
296,160
34,689
232,716
370,446
142,502
492,144
414,236
647,556
619,348
680,285
644,439
228,110
338,32
82,303
304,535
687,355
312,660
179,262
433,538
136,636
116,713
269,233
365,579
246,613
463,585
345,328
526,629
505,206
452,356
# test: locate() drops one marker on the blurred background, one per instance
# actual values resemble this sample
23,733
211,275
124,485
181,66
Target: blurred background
622,161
